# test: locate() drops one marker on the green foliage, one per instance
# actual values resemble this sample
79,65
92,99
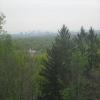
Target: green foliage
38,43
69,70
54,67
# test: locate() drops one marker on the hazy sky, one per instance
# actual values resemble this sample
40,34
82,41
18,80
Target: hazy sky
49,15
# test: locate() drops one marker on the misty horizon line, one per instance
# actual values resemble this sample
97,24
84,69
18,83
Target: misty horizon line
47,31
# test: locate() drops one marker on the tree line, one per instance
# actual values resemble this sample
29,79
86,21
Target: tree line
69,70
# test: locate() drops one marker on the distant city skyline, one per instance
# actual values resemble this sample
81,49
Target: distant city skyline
50,15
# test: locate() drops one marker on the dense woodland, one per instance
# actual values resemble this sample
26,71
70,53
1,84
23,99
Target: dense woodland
65,67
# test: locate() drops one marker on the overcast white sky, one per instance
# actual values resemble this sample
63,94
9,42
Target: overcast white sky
49,15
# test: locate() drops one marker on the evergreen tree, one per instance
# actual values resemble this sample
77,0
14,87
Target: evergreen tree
78,62
81,40
64,48
92,48
92,65
57,66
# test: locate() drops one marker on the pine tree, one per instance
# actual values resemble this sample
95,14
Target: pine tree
56,69
81,40
92,64
92,48
64,48
78,62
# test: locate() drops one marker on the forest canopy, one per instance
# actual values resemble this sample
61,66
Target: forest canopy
61,67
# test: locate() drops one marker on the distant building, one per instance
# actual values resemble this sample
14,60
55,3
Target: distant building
31,52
